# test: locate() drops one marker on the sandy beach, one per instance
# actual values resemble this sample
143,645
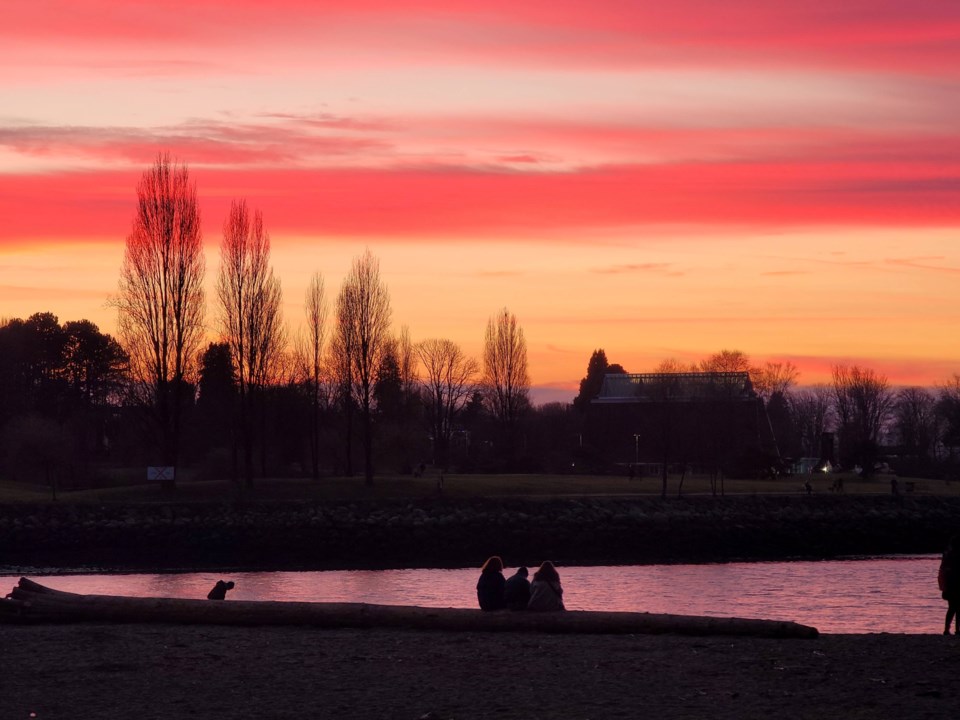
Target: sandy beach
164,672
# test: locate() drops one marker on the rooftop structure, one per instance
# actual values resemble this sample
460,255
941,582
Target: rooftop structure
676,387
712,420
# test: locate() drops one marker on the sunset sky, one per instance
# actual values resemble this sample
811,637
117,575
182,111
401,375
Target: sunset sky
657,179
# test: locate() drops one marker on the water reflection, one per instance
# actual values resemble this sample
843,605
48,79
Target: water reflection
897,595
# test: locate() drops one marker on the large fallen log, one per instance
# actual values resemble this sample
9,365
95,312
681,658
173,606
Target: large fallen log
31,602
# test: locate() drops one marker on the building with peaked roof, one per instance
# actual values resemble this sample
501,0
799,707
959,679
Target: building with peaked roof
711,422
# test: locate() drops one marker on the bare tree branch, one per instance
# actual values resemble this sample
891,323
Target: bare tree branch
363,330
160,299
250,315
506,381
447,387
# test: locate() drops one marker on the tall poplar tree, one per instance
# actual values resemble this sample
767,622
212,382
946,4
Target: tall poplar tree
250,317
160,300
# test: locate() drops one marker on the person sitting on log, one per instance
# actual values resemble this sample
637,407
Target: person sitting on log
545,590
219,591
491,584
516,593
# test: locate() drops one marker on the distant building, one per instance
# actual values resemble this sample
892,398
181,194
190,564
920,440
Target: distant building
708,422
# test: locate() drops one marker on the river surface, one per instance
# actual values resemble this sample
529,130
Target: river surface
868,595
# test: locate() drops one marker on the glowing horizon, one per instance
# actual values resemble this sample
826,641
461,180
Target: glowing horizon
656,181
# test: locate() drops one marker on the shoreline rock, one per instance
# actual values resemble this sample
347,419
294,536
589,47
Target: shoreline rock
457,533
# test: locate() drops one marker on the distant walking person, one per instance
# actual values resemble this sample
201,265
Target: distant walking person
948,578
545,590
516,592
219,591
491,584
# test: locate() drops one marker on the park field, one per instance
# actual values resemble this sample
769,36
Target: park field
121,489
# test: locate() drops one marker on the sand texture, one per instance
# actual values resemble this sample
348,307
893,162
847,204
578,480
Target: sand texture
164,671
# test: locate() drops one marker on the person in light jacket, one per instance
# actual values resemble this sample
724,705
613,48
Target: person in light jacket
545,590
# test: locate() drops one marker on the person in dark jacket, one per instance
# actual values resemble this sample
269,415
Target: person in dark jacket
545,590
516,593
490,585
948,578
219,591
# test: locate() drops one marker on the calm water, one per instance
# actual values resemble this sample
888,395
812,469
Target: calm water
896,595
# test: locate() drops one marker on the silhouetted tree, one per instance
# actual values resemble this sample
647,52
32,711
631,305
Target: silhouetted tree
915,421
217,386
447,387
32,365
310,355
863,401
406,354
37,449
948,410
94,364
388,388
250,318
160,299
774,378
13,387
95,371
400,437
553,432
506,381
392,412
781,418
340,369
363,325
592,382
727,361
217,403
673,366
70,375
812,413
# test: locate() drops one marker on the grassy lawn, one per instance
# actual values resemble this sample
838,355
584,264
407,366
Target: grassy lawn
464,486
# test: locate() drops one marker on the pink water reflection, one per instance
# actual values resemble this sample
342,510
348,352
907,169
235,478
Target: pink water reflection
896,595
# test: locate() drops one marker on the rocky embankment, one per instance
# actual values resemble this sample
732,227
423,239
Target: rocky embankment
442,533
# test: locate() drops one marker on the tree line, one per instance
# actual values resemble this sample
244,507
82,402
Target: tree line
915,430
347,393
344,392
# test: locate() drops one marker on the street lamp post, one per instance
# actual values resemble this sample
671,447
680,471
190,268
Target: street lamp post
636,449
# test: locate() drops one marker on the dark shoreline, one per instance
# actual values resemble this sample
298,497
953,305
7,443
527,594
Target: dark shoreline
162,672
436,533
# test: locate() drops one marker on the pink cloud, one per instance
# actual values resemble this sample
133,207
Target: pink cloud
890,35
443,202
290,140
204,142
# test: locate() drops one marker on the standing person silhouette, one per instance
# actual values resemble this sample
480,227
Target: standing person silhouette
948,578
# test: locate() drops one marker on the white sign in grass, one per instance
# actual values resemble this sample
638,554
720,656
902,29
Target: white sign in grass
160,473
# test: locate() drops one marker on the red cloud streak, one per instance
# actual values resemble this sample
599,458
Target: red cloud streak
455,203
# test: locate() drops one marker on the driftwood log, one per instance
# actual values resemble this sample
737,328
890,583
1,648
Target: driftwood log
31,602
